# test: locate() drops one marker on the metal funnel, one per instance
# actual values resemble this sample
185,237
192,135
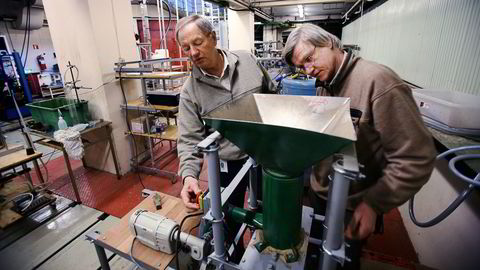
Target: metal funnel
285,133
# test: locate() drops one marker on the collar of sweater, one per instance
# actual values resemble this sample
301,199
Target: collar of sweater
232,63
340,74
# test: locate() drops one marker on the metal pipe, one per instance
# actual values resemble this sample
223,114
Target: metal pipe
176,11
102,257
252,188
350,10
333,226
213,161
163,31
186,8
73,80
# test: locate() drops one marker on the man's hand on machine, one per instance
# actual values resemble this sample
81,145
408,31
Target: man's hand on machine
189,192
362,223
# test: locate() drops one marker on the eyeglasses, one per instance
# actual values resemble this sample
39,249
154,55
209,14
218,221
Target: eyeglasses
309,60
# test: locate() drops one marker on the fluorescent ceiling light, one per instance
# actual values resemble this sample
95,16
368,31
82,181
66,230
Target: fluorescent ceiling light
300,11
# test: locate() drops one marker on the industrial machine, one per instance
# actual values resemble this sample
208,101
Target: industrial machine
13,85
285,135
159,233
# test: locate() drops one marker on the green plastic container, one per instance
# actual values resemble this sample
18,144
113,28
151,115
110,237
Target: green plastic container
46,112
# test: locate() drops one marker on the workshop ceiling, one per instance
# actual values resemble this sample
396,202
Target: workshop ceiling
313,10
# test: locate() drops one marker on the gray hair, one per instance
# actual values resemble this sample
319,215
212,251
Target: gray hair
312,34
203,24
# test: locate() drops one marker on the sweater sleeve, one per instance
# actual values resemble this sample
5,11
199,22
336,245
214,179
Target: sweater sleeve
190,133
408,149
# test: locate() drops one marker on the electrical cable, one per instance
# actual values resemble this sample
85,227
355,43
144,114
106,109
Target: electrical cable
96,88
131,252
177,247
28,39
24,37
8,33
128,126
45,167
190,232
473,183
18,196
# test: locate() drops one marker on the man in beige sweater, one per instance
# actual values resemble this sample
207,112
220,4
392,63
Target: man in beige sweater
392,141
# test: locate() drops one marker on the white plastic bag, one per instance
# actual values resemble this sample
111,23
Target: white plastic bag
72,142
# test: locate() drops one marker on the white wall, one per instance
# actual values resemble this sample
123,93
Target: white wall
454,243
240,30
40,37
93,35
431,43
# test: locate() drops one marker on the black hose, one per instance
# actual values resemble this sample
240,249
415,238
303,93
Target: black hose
8,33
177,247
24,36
445,213
28,39
461,197
128,126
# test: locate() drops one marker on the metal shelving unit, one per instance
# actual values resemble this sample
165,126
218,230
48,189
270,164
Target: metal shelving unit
145,72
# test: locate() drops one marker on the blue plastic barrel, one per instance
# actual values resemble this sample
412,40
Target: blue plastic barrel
299,87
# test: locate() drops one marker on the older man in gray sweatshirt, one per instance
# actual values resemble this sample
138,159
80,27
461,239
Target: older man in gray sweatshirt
218,77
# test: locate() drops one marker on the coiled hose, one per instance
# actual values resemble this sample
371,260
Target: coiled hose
473,183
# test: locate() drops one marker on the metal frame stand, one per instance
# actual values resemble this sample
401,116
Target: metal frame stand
346,169
252,187
333,246
211,155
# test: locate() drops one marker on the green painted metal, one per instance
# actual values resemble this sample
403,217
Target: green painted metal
285,133
241,215
282,209
288,150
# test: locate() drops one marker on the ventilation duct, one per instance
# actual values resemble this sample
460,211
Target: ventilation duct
37,16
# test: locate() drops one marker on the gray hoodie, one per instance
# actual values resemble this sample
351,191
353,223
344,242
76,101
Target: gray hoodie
201,94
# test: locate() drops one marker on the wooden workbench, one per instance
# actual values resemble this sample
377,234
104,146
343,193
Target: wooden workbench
20,158
119,238
17,158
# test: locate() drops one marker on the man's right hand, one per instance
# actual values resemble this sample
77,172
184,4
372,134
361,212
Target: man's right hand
189,192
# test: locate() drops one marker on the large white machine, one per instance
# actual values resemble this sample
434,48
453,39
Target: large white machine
160,233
